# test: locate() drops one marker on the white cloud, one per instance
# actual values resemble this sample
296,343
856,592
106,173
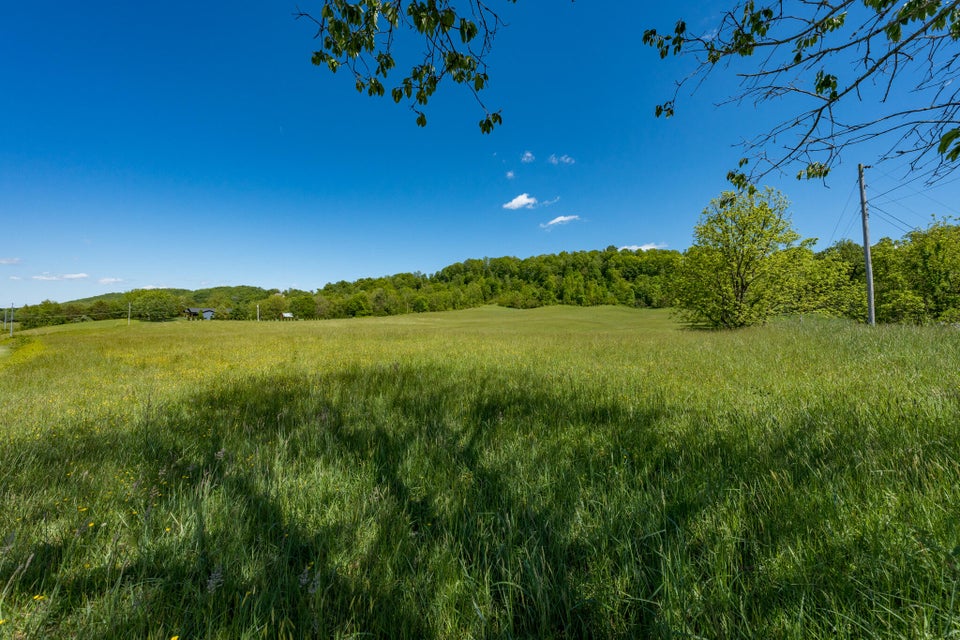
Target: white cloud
16,278
49,277
550,202
559,220
110,280
564,159
9,260
511,175
527,157
522,201
644,247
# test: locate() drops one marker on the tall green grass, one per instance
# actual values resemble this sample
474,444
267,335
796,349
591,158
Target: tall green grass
557,472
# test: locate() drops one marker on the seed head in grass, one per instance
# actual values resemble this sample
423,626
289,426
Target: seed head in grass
216,579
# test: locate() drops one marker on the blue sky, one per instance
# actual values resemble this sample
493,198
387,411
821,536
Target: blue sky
194,145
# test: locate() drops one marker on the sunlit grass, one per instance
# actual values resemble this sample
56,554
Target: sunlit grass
558,472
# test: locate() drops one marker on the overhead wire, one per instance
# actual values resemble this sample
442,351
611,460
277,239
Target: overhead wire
842,214
893,220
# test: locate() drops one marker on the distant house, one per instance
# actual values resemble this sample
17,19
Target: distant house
286,315
199,313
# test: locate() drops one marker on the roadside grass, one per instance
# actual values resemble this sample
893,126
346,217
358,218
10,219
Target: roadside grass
557,472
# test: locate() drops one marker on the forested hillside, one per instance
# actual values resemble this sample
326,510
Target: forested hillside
611,276
917,280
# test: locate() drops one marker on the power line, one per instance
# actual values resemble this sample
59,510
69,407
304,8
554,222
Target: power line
853,189
907,185
892,219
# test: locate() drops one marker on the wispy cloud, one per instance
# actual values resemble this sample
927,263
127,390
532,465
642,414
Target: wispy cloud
50,277
564,159
644,247
16,278
547,203
511,175
110,280
9,260
527,157
522,201
558,221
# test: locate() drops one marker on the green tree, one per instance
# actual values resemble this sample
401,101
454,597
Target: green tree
272,307
823,55
154,305
918,277
358,305
730,277
820,284
303,306
44,314
932,265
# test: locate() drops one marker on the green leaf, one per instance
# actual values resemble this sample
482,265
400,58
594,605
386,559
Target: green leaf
813,170
665,109
951,137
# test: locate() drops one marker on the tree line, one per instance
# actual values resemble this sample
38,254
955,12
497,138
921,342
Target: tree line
747,264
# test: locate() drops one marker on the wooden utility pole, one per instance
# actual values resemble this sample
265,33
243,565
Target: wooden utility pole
871,313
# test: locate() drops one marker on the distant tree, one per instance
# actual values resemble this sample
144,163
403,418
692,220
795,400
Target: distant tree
730,277
273,306
358,305
154,305
44,314
303,306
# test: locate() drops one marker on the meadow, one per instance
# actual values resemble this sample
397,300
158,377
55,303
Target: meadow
559,472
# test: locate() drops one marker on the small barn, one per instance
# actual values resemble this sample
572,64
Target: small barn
286,315
199,313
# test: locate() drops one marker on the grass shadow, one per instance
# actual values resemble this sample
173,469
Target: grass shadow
409,502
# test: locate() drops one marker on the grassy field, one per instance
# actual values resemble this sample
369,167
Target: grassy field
493,473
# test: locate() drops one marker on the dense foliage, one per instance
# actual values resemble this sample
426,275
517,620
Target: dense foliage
583,278
748,265
917,281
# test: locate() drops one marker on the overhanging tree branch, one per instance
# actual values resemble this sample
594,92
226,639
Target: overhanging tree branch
899,53
362,37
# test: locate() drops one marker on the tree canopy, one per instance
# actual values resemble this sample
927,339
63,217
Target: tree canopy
362,37
731,276
812,57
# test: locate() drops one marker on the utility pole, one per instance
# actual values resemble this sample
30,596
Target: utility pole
871,313
129,312
258,313
11,319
